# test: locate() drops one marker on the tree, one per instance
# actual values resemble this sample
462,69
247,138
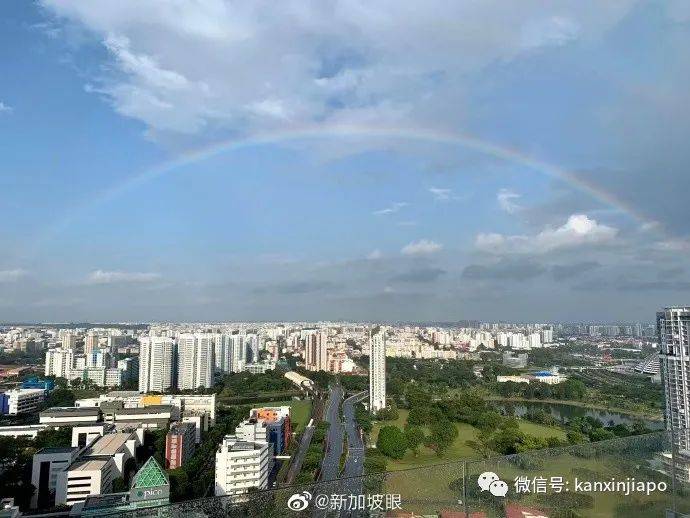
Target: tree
443,433
391,442
60,397
389,413
418,415
489,420
414,437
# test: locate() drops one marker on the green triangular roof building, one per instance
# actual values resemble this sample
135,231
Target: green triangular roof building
150,475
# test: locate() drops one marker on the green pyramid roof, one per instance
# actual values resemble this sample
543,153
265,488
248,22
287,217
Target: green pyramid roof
150,475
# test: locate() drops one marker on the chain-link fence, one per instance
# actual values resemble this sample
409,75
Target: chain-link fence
625,477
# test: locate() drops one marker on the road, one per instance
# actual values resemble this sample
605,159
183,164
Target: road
354,463
330,465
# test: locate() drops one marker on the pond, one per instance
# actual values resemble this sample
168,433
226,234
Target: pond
564,412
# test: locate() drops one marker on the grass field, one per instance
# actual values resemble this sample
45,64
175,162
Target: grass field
299,411
458,450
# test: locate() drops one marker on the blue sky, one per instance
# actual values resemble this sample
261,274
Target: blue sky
326,196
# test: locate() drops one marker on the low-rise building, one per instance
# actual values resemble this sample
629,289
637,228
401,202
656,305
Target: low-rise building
29,430
180,443
48,463
69,416
23,401
84,435
84,477
241,466
96,466
150,489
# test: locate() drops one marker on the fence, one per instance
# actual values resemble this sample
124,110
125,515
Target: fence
637,476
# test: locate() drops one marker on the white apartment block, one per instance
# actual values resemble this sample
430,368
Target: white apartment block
377,371
229,352
195,360
240,466
59,362
22,401
673,328
156,359
316,352
69,341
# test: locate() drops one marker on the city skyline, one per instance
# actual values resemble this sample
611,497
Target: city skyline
238,166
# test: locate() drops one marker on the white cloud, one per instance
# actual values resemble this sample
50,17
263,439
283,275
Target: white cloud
421,247
390,210
440,194
579,230
116,277
246,68
505,199
551,31
5,108
12,275
375,254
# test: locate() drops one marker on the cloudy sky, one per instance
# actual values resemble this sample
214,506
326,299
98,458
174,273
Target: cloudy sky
217,160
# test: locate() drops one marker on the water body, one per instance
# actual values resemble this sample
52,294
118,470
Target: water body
568,412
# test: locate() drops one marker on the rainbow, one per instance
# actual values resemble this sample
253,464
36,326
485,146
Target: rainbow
325,131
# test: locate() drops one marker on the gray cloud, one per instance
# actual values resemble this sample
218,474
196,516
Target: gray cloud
506,269
420,275
298,288
567,271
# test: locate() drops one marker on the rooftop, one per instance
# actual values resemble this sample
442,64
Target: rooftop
109,444
151,409
89,465
63,449
70,412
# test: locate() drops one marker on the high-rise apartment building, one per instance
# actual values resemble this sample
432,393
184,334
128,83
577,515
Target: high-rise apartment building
228,353
156,360
673,328
59,363
195,360
377,371
69,341
316,352
91,343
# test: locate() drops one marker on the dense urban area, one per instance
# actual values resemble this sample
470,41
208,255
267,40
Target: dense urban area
92,414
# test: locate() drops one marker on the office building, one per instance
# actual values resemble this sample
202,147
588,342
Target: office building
673,328
156,361
195,360
180,443
377,371
23,401
46,467
96,466
241,466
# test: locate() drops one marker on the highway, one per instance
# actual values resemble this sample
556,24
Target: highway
330,465
354,463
